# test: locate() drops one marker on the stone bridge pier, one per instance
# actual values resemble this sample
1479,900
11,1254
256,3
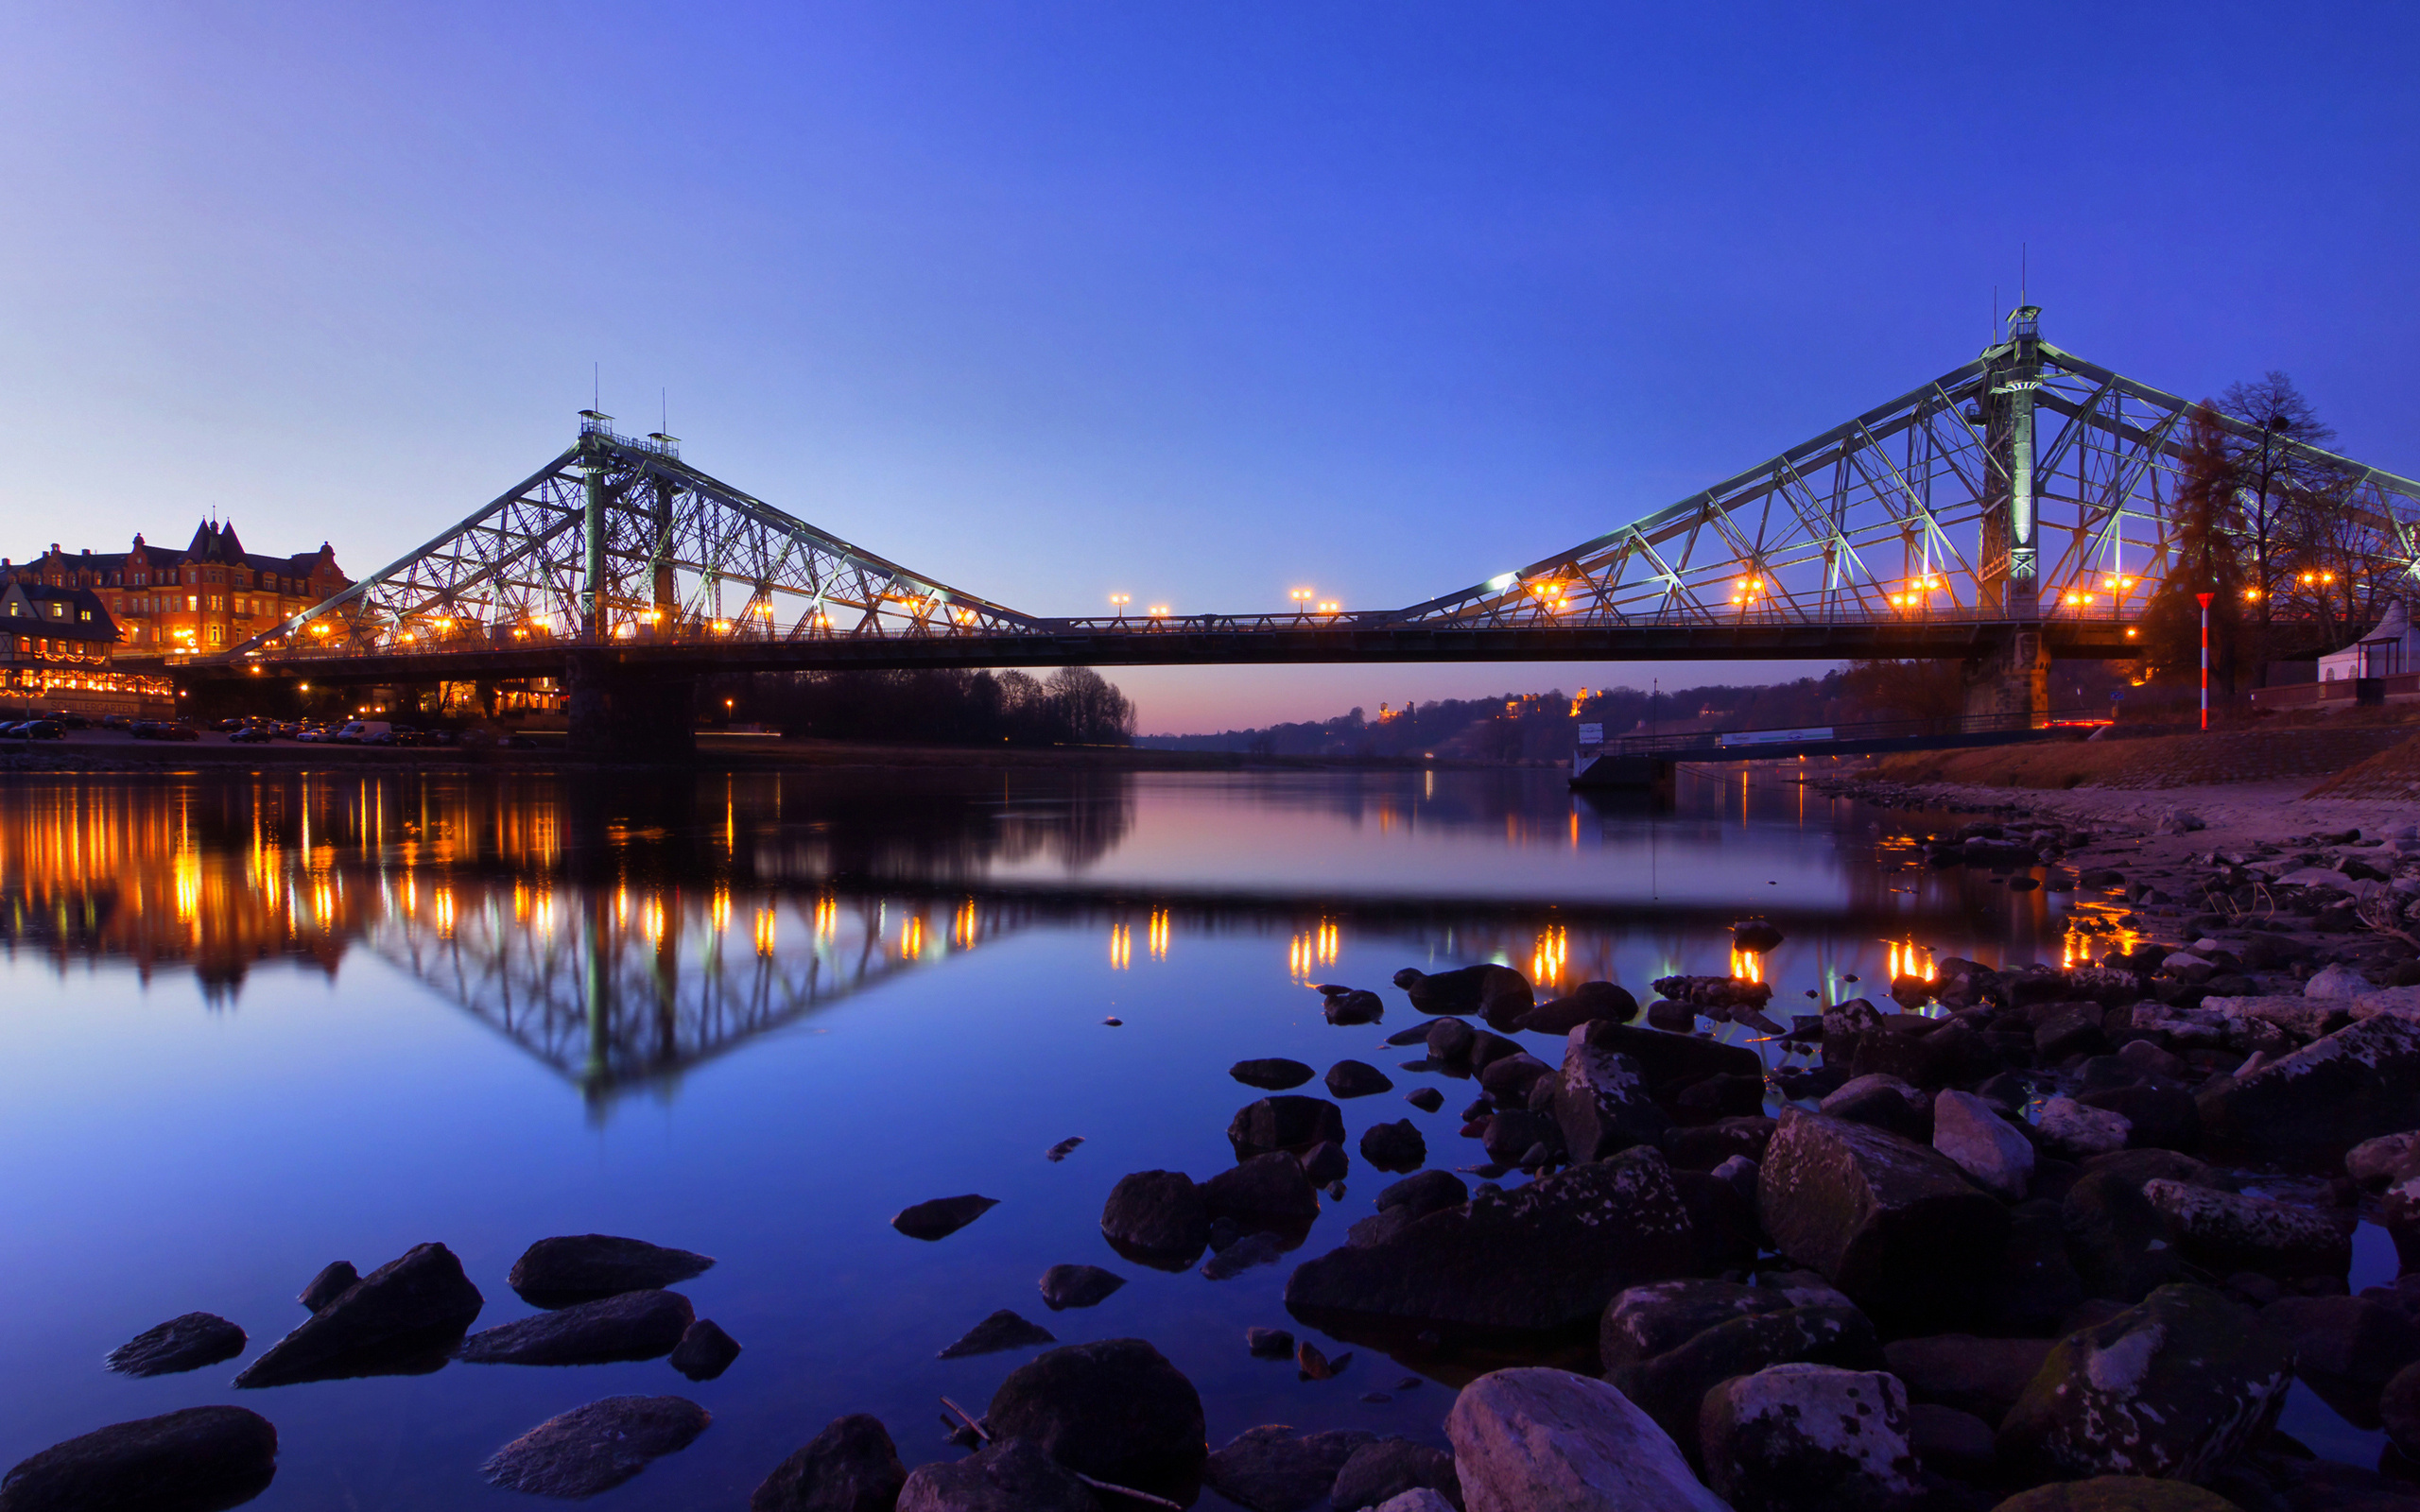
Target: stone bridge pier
614,709
2012,679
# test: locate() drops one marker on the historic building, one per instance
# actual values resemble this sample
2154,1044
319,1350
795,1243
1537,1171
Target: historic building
46,629
207,597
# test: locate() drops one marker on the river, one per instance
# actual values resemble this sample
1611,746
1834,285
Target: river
255,1025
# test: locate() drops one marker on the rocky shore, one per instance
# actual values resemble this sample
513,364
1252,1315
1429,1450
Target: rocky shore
2025,1236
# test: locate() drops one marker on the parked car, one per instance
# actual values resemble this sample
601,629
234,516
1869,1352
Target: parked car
177,731
66,720
42,729
361,729
250,735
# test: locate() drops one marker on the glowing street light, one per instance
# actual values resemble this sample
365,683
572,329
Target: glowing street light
1118,602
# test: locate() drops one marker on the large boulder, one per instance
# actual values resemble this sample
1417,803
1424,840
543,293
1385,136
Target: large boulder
1291,1122
1808,1438
1157,1218
1600,1101
2356,1340
1644,1321
1377,1472
1396,1147
1980,1376
1672,1386
1115,1410
1274,1469
2319,1101
634,1326
402,1318
1586,1003
1356,1078
1670,1063
2225,1232
199,1457
1539,1440
2170,1388
1894,1224
1265,1190
596,1448
582,1267
1983,1144
1498,993
2117,1239
1009,1476
850,1467
184,1343
1545,1256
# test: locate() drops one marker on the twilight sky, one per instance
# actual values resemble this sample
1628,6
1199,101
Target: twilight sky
1194,301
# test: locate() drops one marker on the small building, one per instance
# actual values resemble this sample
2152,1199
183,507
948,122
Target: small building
2390,650
47,630
207,597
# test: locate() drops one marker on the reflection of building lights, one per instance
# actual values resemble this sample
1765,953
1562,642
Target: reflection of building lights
964,925
1747,966
911,937
765,931
1121,947
827,919
1159,935
719,910
1910,959
445,913
1553,949
1298,957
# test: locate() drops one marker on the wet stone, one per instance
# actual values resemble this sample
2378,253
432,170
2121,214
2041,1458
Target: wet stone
203,1458
1003,1329
1269,1344
404,1318
941,1216
704,1352
850,1467
583,1267
1066,1286
1274,1469
1356,1078
598,1447
329,1284
1274,1074
635,1326
185,1343
1428,1099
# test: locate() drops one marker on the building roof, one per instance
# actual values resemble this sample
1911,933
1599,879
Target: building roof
27,609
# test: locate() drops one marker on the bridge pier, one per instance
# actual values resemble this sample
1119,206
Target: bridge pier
619,711
2012,679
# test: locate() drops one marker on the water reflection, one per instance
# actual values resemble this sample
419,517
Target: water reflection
623,932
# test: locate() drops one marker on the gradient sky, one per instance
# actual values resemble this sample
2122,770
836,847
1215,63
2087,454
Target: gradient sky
1197,303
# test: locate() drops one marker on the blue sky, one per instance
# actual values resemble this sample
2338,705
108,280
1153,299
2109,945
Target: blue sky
1197,303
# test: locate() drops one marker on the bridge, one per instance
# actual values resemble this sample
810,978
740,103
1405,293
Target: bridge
2018,508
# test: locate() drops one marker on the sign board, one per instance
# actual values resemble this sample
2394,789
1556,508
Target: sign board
1592,734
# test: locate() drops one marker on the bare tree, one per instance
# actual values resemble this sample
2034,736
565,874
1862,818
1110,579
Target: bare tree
2275,482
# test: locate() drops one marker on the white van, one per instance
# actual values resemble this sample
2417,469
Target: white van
361,729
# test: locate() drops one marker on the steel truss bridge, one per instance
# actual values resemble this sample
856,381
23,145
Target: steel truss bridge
2021,506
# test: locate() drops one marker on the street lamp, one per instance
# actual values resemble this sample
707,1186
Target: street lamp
1118,603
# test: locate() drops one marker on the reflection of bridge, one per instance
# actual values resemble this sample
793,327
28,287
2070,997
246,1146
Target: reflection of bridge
2013,510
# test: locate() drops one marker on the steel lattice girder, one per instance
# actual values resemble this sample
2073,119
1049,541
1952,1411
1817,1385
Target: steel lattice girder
679,545
1834,529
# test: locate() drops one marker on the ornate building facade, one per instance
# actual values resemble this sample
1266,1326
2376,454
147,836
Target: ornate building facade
206,598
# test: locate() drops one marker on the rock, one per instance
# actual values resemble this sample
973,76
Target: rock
1263,1249
1269,1344
1985,1146
2038,1286
1396,1147
1276,1073
583,1267
1318,1366
1428,1099
2400,1409
1508,1078
1356,1078
2078,1132
634,1326
1984,1377
2117,1493
598,1447
2353,1339
1586,1003
2223,1231
1062,1149
1378,1471
1677,1017
1672,1385
1600,1101
2170,1388
1346,1006
1002,1331
1157,1218
1273,1468
1884,1101
1574,1240
1723,1220
1708,1145
1672,1061
1115,1410
329,1284
1326,1163
2072,1030
704,1352
1270,1189
1755,935
2373,1163
201,1457
1494,992
406,1316
1066,1286
1292,1124
850,1467
1808,1438
2318,1102
941,1216
1418,1499
1425,1194
1451,1040
184,1343
1539,1440
1010,1476
1894,1224
1952,1443
2162,1118
2336,981
1646,1321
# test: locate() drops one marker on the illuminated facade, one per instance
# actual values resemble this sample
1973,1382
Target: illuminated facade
211,595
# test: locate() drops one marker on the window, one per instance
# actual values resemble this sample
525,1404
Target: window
58,610
84,614
213,635
192,602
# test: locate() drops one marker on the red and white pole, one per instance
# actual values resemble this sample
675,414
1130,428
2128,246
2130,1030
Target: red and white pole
2205,658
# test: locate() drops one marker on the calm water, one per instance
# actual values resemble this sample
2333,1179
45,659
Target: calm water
250,1026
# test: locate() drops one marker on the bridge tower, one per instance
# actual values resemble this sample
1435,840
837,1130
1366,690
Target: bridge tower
611,705
2013,676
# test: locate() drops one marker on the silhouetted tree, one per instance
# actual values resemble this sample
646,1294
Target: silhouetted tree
2205,533
2275,482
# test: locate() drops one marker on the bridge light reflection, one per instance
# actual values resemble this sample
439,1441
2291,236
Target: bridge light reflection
1159,934
1747,966
1121,947
1553,949
1907,959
